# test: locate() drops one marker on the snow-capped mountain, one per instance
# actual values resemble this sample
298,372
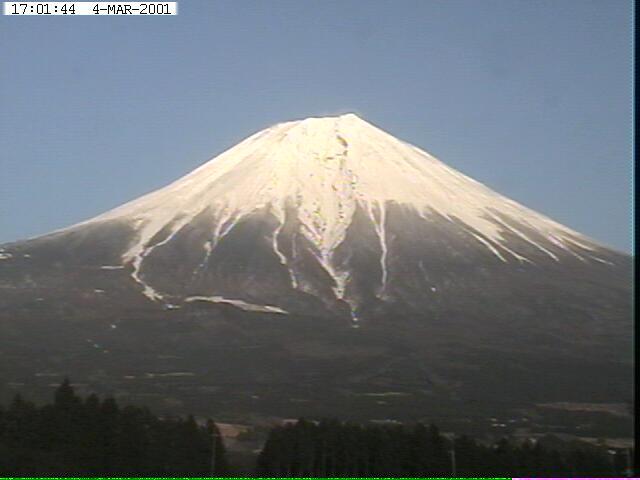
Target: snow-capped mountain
310,180
334,221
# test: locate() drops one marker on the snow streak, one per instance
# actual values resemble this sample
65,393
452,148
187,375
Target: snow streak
250,307
379,226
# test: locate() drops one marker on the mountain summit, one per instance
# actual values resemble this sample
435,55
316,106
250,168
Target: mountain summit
312,269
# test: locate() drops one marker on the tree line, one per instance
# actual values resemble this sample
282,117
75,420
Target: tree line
332,448
93,437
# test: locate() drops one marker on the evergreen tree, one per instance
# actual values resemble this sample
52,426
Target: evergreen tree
331,448
65,398
72,437
218,465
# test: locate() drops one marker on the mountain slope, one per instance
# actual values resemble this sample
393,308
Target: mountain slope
322,258
316,176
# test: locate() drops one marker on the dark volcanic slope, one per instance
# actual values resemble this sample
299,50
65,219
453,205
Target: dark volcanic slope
449,327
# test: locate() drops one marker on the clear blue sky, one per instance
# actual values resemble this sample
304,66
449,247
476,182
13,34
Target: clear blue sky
532,98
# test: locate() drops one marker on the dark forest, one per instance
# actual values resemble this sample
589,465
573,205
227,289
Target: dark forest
77,436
